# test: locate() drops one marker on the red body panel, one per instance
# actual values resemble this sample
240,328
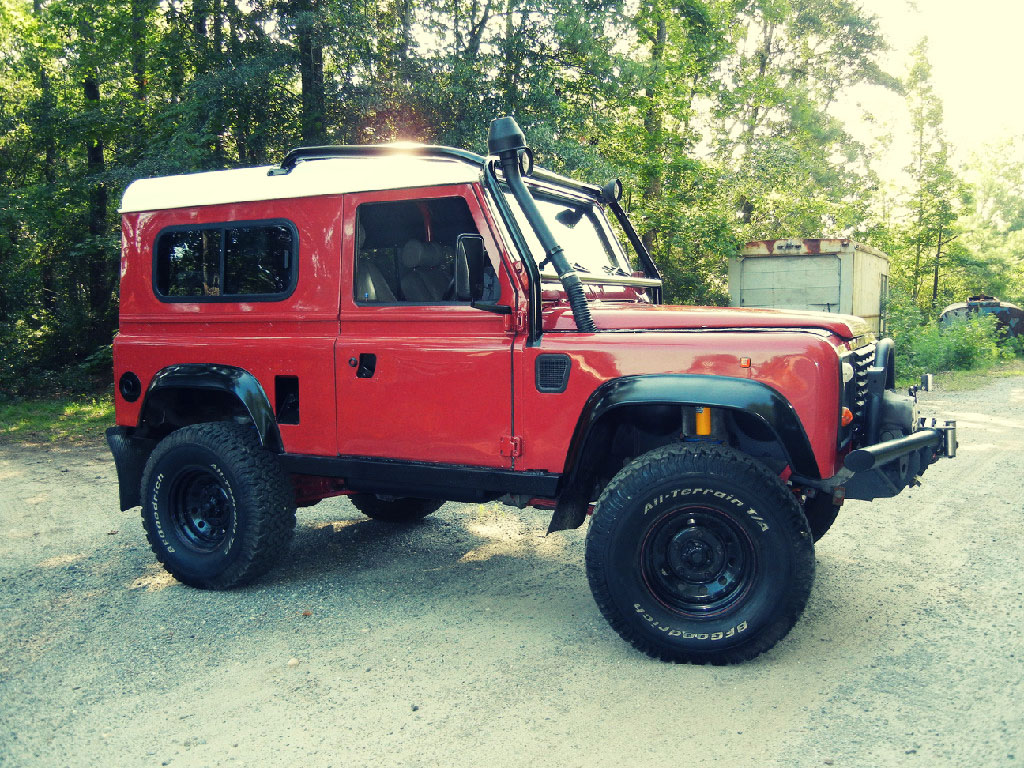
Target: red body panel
451,382
441,390
803,367
295,336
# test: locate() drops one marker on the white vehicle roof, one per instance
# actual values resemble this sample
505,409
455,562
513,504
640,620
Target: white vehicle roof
309,178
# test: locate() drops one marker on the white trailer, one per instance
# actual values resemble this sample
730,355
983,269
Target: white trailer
826,275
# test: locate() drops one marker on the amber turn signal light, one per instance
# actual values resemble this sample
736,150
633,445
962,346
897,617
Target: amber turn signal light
847,417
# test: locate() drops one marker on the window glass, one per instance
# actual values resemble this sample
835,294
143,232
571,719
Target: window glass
257,260
579,228
407,251
226,261
188,263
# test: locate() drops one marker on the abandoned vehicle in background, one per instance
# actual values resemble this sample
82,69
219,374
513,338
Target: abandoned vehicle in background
1009,317
413,325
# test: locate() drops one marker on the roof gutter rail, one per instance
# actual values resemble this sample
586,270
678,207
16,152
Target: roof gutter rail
295,156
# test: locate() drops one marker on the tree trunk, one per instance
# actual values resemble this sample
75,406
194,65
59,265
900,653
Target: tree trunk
98,271
140,11
218,108
200,10
654,126
920,209
935,280
311,70
512,58
243,106
46,130
175,38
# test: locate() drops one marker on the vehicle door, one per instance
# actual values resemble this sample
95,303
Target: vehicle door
422,375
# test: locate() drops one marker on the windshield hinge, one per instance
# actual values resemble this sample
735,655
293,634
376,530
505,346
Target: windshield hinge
516,321
511,446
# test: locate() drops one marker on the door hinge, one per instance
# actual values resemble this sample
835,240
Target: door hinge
512,446
521,321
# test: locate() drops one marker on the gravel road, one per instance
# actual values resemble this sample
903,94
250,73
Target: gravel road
472,639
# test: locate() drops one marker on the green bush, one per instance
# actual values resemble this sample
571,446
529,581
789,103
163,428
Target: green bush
962,344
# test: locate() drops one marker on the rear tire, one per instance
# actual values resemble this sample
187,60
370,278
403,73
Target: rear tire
218,509
401,510
697,553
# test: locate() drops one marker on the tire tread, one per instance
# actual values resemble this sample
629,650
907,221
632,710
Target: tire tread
700,460
271,511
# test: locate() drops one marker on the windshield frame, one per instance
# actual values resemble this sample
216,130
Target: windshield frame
544,192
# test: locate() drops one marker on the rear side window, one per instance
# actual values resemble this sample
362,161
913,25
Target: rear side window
236,261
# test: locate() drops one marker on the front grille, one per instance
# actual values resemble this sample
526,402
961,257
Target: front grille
855,393
861,360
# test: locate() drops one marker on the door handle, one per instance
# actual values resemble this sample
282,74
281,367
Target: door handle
367,365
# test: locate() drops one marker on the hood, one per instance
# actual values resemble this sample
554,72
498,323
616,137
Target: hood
658,317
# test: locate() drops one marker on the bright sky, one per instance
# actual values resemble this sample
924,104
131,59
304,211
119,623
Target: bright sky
975,52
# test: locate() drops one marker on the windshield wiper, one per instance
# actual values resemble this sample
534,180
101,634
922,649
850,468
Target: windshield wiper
610,270
579,267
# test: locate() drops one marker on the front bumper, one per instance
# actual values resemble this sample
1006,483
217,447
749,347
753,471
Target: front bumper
884,469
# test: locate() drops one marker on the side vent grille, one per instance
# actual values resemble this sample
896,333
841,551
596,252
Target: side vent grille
552,373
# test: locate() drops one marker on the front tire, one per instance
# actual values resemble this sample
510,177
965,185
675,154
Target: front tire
697,553
218,510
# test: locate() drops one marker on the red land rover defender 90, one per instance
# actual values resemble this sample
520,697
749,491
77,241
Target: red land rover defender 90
408,325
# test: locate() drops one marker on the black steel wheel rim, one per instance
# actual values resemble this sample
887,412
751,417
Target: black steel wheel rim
697,561
201,509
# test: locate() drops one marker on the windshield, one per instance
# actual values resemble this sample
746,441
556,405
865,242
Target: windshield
580,228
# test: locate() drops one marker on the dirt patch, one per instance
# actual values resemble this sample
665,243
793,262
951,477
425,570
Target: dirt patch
471,638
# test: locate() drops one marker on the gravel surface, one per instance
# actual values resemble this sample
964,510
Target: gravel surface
472,639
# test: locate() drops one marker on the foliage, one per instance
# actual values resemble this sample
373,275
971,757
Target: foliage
925,346
716,114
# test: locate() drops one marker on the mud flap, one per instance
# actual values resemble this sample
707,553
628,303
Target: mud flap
130,456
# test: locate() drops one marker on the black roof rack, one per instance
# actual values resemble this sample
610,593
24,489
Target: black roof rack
372,150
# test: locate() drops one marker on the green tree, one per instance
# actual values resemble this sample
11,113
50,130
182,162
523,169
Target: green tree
937,193
793,168
994,225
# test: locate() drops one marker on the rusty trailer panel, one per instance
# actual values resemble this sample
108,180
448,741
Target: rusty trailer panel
820,274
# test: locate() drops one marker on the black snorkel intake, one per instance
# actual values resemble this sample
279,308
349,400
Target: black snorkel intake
506,141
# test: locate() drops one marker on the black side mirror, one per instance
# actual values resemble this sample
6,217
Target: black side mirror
469,267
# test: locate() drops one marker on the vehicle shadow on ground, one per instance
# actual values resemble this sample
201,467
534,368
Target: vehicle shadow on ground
342,541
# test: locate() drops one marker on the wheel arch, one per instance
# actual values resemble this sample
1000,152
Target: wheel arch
750,401
228,393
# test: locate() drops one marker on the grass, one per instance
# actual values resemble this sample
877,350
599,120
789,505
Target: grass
70,420
962,381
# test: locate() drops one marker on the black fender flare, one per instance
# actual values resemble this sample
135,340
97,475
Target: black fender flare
752,397
224,378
